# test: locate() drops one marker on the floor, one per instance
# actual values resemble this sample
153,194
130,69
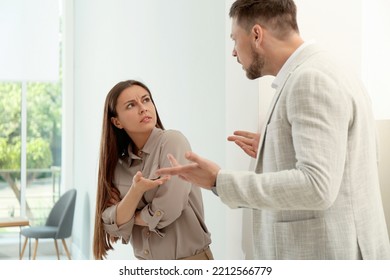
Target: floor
9,249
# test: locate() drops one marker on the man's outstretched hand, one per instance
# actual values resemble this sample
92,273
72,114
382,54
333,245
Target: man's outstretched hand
200,171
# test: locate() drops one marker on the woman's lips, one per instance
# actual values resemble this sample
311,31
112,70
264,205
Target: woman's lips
146,119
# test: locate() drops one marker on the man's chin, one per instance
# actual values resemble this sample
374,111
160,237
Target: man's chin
251,76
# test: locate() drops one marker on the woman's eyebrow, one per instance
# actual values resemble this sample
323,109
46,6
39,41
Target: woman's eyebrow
133,100
128,101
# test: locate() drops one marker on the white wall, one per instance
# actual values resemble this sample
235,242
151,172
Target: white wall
241,114
176,48
376,58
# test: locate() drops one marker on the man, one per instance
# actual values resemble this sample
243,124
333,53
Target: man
314,191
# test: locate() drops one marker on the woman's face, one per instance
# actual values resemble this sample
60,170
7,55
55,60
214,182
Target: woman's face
136,111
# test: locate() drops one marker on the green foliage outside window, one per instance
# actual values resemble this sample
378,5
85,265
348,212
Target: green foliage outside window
43,133
43,125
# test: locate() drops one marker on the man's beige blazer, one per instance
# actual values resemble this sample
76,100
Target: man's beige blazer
315,191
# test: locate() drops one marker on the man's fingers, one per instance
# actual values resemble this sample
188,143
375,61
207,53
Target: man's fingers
169,171
240,144
162,180
172,160
191,156
184,178
245,134
248,149
179,170
244,140
245,146
250,152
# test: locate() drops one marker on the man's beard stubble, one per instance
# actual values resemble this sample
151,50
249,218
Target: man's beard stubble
255,69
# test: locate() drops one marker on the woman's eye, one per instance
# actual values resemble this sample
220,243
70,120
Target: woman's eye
146,99
130,105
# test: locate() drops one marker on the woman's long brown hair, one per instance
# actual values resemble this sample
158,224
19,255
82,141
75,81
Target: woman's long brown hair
113,146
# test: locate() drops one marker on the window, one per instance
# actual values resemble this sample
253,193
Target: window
43,149
30,109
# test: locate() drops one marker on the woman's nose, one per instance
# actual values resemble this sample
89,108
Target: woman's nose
142,108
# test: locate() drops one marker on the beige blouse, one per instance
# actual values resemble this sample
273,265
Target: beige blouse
173,211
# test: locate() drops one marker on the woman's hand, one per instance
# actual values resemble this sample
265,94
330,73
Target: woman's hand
128,205
143,184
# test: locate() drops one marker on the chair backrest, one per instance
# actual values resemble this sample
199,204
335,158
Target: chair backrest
62,213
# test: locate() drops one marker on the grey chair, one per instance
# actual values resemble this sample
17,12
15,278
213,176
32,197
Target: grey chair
58,225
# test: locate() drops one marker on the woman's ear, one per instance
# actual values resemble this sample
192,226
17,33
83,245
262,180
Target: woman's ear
116,122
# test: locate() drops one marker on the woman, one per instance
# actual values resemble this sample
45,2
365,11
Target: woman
162,217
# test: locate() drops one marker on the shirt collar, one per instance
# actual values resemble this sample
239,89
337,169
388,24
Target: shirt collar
286,68
152,140
150,143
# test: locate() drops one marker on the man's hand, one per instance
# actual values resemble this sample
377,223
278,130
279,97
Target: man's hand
201,171
247,141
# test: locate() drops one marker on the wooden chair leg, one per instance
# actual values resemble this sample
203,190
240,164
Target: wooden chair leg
56,245
35,249
24,248
66,249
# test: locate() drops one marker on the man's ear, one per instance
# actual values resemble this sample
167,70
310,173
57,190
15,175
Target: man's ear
116,122
257,32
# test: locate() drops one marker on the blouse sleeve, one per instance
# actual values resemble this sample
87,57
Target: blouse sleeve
109,222
171,198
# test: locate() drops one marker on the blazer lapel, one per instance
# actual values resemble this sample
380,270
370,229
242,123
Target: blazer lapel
266,122
301,58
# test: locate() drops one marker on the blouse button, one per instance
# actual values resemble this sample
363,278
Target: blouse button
147,233
158,213
146,252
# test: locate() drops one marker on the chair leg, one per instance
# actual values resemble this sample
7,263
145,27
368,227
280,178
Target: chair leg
66,249
56,245
35,249
24,248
